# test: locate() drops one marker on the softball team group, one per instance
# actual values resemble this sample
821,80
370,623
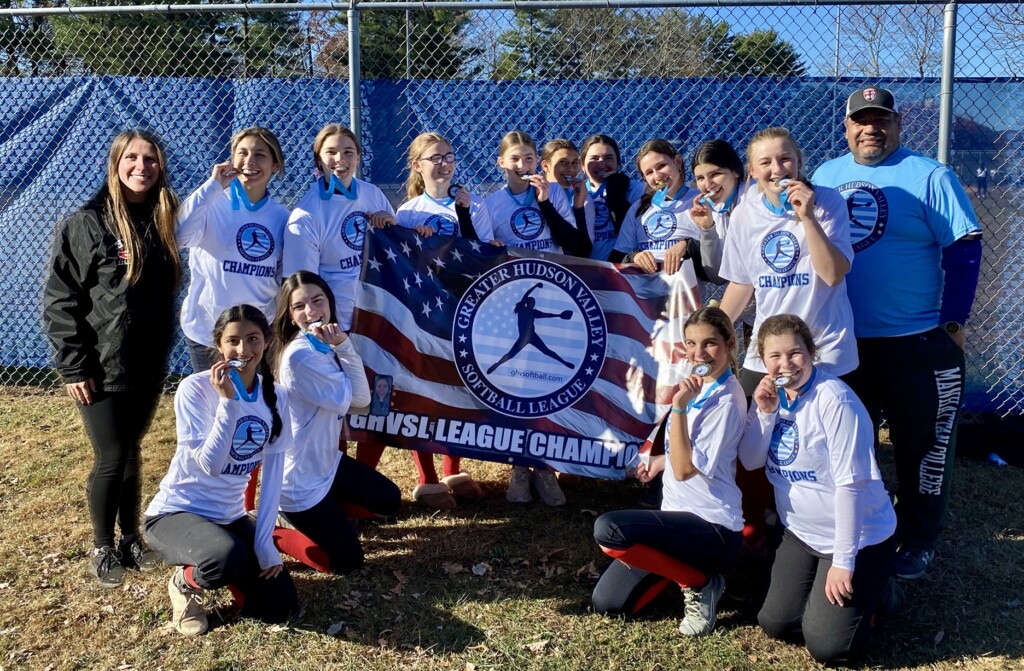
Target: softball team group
276,372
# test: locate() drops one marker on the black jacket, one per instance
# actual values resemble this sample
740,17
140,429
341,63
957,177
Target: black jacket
100,326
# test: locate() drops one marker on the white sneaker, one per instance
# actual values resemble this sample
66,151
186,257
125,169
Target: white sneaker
701,607
519,486
546,484
187,616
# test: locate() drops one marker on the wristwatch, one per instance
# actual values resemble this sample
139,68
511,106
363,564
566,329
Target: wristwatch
952,328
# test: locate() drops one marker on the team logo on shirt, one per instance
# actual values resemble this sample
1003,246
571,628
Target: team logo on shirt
249,437
529,338
780,250
785,443
660,226
255,242
442,223
122,254
869,213
527,223
353,228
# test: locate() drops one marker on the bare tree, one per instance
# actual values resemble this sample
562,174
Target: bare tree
920,29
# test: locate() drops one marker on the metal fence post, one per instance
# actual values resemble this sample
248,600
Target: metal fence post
354,101
946,85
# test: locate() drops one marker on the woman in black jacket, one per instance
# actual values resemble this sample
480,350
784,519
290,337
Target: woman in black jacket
108,309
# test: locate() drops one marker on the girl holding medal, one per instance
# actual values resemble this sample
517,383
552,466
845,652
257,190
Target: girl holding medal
695,537
435,205
325,380
789,247
611,191
657,228
325,231
528,213
721,180
234,229
561,164
108,309
817,440
229,421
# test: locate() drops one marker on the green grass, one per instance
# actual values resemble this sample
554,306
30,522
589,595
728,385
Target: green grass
418,605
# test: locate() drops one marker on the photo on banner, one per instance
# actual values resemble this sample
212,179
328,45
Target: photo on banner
516,356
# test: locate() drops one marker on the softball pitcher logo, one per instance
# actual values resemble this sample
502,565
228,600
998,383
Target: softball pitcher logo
785,443
869,213
660,226
529,338
353,228
254,242
249,438
441,223
780,250
527,223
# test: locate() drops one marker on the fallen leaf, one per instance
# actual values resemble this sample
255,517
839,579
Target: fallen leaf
1013,604
451,568
590,571
397,589
108,609
939,636
470,666
588,511
401,576
481,569
336,628
351,633
278,627
537,647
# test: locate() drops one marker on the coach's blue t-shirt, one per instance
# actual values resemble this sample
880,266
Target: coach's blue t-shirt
903,211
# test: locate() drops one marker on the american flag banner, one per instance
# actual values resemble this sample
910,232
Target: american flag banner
517,356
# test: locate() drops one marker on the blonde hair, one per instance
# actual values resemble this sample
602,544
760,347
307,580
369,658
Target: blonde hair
264,134
513,138
326,132
773,133
165,205
414,183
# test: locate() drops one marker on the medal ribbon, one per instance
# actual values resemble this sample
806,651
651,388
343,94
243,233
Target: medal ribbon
239,197
241,393
334,186
699,402
791,407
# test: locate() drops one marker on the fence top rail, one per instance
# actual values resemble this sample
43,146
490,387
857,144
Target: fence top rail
460,5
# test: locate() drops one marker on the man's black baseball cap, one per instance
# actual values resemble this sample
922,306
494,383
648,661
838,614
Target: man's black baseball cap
870,97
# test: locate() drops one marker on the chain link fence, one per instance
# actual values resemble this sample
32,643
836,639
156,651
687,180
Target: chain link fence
473,71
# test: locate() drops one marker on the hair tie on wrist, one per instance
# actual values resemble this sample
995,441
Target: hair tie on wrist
678,411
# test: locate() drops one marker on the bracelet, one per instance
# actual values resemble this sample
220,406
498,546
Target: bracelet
678,411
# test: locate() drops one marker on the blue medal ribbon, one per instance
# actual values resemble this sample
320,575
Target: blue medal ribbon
318,345
241,393
447,203
699,402
334,186
724,207
239,197
659,197
784,208
791,407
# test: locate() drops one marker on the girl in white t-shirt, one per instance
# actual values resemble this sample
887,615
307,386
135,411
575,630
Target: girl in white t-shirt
435,206
817,440
789,247
528,213
721,182
696,535
657,229
230,420
234,230
325,380
560,162
326,230
611,191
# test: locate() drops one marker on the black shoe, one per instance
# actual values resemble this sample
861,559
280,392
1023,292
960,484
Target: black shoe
135,555
105,566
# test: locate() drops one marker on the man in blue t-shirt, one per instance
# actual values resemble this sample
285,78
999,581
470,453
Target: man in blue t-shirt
917,246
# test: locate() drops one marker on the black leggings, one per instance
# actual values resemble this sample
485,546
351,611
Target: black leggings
325,523
686,537
115,424
796,607
223,555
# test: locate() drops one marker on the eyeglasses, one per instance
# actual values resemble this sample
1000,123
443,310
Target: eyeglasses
438,159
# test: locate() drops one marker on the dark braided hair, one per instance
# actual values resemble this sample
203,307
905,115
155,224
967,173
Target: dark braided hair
248,313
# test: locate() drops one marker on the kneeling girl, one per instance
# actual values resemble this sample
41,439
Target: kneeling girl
229,420
696,535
